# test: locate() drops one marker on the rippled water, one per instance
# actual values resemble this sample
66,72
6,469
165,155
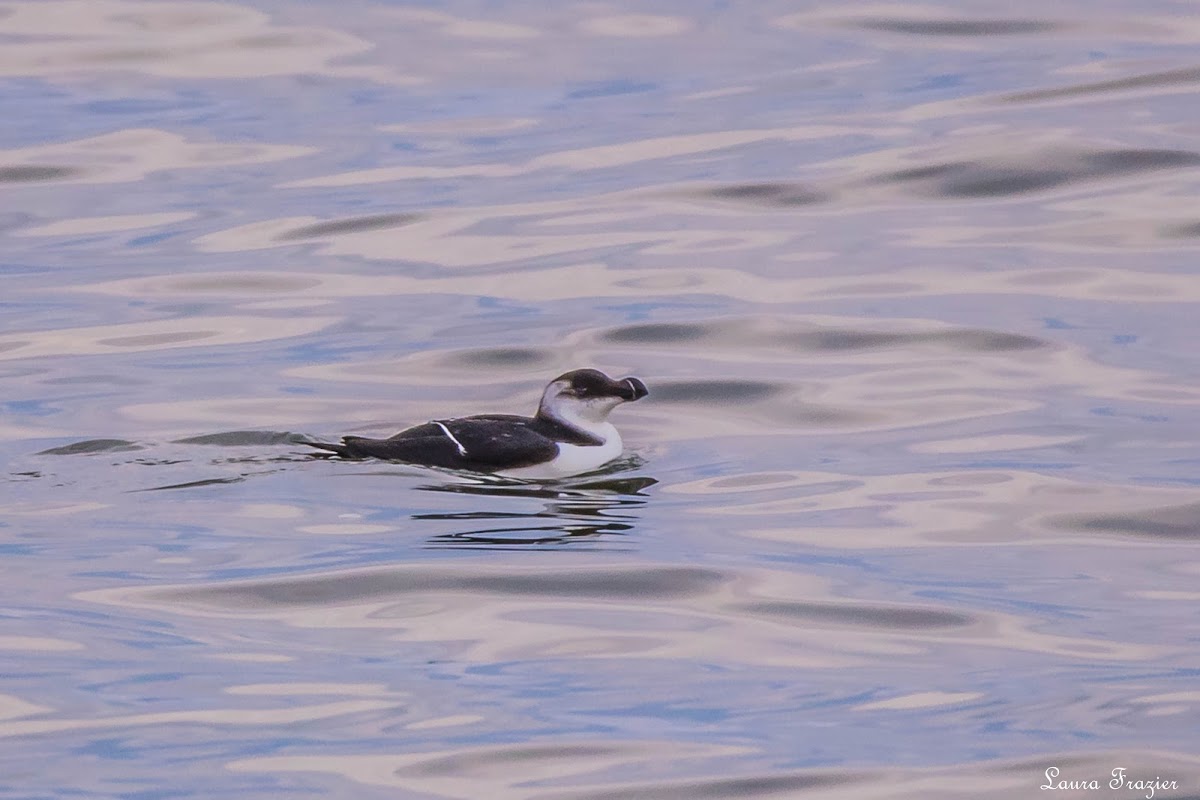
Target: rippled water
911,510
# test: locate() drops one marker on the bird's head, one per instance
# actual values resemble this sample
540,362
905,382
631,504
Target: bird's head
588,395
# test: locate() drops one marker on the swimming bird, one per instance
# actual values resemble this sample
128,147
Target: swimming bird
569,435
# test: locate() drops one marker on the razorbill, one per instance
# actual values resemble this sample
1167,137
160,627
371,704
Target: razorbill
569,435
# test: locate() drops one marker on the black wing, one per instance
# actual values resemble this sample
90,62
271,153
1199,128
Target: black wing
479,444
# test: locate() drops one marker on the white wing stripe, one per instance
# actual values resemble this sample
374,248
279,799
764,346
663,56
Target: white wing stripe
462,451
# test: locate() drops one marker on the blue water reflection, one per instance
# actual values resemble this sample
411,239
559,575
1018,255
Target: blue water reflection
909,511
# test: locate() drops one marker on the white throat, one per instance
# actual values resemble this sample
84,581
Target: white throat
586,416
575,459
589,416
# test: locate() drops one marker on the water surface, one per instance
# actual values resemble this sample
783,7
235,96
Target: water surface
911,509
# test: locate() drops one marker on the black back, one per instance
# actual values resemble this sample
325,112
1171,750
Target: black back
492,442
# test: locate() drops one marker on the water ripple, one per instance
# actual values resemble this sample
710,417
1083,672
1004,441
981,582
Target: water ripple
350,225
1170,523
1032,172
29,173
958,27
93,446
782,618
1185,78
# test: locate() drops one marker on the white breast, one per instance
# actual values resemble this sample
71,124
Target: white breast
573,459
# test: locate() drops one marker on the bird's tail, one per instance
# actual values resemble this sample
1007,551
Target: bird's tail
337,449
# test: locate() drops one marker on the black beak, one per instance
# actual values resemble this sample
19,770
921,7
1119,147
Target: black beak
630,389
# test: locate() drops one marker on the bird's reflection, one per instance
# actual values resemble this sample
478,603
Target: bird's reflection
573,511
